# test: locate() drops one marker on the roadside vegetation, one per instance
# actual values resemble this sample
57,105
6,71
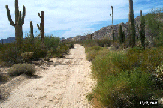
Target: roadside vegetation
20,61
125,76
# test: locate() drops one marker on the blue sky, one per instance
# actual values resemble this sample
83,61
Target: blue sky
69,18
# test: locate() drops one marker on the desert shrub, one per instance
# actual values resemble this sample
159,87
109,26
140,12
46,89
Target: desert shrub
159,71
91,52
18,69
27,56
27,46
91,55
87,49
96,48
4,78
116,45
124,90
51,42
103,65
72,45
39,53
148,59
89,43
103,42
10,54
61,50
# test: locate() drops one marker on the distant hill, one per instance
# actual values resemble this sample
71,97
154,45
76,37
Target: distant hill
12,39
8,40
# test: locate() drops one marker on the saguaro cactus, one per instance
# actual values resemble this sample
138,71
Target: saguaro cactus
31,33
131,26
112,22
123,33
142,29
41,27
120,34
31,30
19,21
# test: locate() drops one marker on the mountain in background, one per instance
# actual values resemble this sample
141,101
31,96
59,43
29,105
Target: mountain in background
12,39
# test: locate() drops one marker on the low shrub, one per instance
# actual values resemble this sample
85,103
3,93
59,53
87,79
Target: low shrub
27,56
147,59
51,42
89,43
103,65
91,55
62,49
10,54
39,53
125,90
91,52
18,69
104,42
4,78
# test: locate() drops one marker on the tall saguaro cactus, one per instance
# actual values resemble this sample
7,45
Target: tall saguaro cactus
19,21
112,22
41,27
131,26
31,30
142,29
120,34
31,33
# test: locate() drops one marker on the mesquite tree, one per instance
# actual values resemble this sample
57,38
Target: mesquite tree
19,21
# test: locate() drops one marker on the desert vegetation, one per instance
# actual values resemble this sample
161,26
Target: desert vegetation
127,70
20,61
127,74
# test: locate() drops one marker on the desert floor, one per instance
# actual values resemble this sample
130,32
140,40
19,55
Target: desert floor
64,85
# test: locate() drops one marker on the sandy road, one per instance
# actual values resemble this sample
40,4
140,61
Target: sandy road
62,86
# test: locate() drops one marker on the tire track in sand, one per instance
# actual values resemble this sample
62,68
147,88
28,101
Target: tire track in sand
62,86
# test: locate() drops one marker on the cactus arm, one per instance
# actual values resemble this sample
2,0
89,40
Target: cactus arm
19,18
39,15
24,13
9,16
38,27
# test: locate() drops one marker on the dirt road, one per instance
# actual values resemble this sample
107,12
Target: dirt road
62,86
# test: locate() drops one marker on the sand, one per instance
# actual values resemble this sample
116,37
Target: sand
64,85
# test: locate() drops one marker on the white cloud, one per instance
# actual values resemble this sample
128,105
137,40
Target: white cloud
72,15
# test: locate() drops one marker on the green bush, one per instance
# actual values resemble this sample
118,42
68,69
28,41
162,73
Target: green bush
4,78
62,49
124,78
103,65
39,53
27,56
148,59
91,55
103,42
18,69
91,52
51,42
124,90
89,43
10,54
